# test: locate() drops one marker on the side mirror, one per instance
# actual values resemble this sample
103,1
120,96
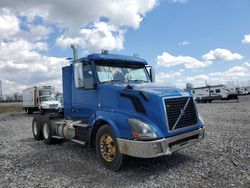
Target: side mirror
189,87
151,73
78,75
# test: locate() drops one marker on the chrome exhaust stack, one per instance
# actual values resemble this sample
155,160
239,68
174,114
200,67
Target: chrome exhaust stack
75,53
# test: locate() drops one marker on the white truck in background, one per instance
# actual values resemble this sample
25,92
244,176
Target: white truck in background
40,99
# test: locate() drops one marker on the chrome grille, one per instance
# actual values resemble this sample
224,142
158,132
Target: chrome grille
53,106
180,112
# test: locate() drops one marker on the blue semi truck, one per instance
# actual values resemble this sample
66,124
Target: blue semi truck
112,103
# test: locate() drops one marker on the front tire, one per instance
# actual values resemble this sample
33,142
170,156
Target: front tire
37,131
29,111
107,149
42,111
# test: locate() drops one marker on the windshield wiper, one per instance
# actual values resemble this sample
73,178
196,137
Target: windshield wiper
137,81
113,81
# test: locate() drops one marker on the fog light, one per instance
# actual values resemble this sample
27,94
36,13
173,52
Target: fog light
202,134
158,148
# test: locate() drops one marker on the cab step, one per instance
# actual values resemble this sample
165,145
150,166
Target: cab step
78,141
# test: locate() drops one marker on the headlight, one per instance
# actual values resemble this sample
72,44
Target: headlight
202,120
141,130
45,106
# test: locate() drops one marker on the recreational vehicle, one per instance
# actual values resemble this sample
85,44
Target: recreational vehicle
216,92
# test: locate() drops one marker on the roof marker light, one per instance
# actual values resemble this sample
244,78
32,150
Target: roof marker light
105,51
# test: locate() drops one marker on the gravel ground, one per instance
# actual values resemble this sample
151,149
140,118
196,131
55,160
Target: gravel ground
221,160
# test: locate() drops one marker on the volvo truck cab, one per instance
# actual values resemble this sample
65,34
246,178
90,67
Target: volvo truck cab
112,103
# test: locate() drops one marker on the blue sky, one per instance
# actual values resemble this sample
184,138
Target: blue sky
185,40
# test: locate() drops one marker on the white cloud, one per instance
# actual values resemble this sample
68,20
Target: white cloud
26,26
247,64
22,64
99,36
73,16
168,60
65,42
35,33
221,54
246,39
10,28
40,46
198,78
18,50
9,24
232,73
177,1
184,43
239,73
163,77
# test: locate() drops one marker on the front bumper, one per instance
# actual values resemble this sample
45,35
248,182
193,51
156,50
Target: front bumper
156,148
50,110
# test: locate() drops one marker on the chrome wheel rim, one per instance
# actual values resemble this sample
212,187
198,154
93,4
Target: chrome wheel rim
46,131
107,147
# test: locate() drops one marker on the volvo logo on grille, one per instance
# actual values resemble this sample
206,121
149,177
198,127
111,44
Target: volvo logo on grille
182,112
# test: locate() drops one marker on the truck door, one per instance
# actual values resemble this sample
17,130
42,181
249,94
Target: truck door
84,94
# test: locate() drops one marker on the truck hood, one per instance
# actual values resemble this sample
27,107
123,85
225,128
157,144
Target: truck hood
160,90
144,101
156,89
50,102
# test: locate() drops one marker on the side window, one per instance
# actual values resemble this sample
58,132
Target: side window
193,92
88,77
83,76
211,91
217,91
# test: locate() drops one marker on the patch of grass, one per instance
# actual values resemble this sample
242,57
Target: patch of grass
10,107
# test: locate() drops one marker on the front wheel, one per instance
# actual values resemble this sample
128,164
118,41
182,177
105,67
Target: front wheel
42,111
29,111
107,149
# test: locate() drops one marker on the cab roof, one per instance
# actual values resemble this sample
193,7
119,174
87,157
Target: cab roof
113,57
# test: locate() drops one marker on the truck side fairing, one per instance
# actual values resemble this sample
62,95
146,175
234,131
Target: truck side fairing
67,91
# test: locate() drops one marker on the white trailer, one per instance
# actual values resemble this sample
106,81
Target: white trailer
40,99
243,90
216,92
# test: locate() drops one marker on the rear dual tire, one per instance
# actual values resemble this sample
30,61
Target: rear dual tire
37,125
48,133
42,130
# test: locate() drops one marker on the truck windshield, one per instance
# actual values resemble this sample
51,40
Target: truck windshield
47,98
118,73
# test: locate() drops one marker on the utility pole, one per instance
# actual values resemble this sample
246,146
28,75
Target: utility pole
1,92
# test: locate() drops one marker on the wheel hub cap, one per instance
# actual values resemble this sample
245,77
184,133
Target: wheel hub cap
107,147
